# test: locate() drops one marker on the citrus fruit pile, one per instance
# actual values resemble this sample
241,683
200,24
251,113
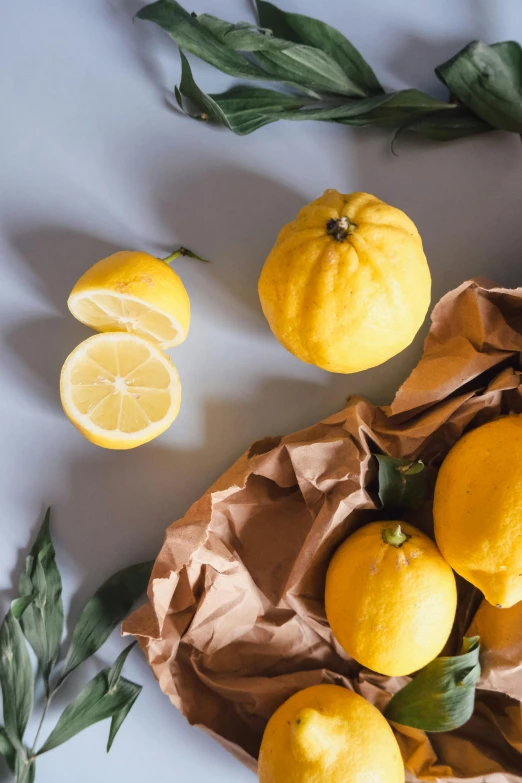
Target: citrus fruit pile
118,387
390,601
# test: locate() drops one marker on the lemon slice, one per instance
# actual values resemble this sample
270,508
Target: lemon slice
133,292
119,390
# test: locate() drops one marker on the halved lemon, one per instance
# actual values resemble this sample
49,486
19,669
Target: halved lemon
133,292
119,390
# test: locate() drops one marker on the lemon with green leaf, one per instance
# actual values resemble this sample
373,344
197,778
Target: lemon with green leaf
390,598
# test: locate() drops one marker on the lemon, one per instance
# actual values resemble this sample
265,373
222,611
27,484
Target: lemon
347,284
478,509
133,292
390,598
119,390
327,734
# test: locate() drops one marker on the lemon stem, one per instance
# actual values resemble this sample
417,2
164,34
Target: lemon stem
394,536
340,228
182,251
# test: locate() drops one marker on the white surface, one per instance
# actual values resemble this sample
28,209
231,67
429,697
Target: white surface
92,160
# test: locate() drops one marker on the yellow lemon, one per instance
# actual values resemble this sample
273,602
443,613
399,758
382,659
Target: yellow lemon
347,284
390,598
119,390
327,734
478,509
133,292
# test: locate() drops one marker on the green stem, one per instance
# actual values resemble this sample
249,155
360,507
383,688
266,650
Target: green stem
40,725
48,698
394,536
182,251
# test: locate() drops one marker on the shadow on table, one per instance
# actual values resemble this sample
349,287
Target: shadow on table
415,58
469,226
56,257
230,216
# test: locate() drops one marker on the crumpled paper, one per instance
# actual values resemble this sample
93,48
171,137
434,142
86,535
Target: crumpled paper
235,620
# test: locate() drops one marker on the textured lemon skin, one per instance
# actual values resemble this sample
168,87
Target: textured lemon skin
478,509
392,609
327,734
346,306
110,439
141,276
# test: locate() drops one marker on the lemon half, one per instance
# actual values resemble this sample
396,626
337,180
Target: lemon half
133,292
119,390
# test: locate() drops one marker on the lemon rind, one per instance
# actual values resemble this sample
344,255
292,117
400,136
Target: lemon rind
73,298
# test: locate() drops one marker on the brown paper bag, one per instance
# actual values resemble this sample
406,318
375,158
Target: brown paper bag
235,622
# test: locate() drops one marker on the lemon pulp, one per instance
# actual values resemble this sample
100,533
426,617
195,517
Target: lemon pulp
120,390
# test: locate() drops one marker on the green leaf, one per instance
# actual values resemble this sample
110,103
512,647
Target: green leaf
196,38
16,676
510,52
240,109
442,695
312,32
106,609
242,37
402,483
114,673
311,68
7,749
119,717
200,106
487,79
297,64
396,108
332,110
249,108
108,695
380,110
42,622
445,125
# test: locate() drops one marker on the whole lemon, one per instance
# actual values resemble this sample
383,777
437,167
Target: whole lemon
347,284
390,598
478,509
327,734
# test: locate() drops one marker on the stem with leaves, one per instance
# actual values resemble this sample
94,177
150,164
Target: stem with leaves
37,616
325,78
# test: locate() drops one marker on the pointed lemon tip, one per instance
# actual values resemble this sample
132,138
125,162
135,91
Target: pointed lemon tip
504,592
312,735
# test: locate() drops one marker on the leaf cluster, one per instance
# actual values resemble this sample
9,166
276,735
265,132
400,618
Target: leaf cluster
37,617
322,76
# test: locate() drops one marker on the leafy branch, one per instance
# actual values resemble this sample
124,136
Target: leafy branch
325,78
37,617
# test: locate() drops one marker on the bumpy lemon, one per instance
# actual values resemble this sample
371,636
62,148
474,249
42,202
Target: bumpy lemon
119,390
347,285
133,292
390,598
478,509
327,734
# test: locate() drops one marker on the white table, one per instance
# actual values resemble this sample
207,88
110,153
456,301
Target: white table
92,160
